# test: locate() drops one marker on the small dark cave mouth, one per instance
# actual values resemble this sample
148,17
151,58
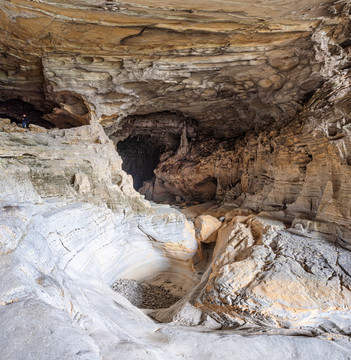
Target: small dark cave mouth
62,110
15,108
141,155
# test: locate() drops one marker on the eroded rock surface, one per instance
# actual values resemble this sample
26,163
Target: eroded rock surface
61,254
240,66
66,231
246,104
299,172
78,164
270,276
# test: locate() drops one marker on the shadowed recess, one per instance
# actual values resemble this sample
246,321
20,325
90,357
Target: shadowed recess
15,108
140,157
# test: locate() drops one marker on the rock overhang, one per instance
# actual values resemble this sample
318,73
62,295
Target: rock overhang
229,66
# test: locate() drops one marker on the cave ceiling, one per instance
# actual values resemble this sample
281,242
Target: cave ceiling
229,66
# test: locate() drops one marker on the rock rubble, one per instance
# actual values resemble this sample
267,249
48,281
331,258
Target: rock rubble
144,295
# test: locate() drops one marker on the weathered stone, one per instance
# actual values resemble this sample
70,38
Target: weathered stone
154,65
82,183
219,101
265,83
58,165
289,171
206,227
285,64
37,128
261,276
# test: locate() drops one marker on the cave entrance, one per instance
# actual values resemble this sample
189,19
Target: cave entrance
154,147
15,108
140,155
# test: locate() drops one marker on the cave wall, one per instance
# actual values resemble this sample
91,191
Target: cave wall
194,82
303,169
232,70
248,104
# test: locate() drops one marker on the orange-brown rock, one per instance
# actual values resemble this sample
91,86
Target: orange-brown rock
206,227
301,170
242,66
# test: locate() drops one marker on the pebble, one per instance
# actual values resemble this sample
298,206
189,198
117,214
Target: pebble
144,295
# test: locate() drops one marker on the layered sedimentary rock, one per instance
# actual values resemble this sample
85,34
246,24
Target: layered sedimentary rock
60,255
266,275
243,66
56,226
243,104
81,165
288,273
301,170
263,274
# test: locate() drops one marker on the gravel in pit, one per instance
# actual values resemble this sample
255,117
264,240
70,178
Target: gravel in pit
144,295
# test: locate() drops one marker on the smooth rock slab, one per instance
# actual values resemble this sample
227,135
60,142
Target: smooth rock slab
206,227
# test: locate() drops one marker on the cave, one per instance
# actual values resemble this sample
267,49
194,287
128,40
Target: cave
14,109
140,156
186,192
62,110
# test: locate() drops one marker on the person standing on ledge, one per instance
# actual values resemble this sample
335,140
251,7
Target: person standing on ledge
25,121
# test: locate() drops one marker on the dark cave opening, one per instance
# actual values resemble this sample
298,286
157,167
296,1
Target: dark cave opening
167,142
14,109
140,155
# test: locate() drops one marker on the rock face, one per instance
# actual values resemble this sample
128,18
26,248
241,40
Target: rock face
246,105
60,254
266,275
301,171
67,230
81,165
57,165
241,66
